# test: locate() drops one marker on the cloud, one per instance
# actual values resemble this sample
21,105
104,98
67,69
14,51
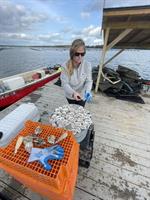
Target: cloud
59,19
19,36
31,19
98,41
47,39
91,35
88,40
92,31
21,25
85,15
50,37
17,17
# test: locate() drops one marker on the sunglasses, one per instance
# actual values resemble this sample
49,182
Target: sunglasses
78,54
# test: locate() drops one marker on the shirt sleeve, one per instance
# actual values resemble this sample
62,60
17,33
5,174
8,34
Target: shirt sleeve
65,82
88,81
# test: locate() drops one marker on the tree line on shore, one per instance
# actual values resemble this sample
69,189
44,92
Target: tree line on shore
55,46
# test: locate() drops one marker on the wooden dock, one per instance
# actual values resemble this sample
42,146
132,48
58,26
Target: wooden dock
120,167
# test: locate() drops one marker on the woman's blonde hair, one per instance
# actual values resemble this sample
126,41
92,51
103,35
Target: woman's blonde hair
74,46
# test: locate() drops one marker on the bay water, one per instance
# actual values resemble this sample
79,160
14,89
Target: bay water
14,60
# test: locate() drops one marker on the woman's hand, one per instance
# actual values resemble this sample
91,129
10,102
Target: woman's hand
77,96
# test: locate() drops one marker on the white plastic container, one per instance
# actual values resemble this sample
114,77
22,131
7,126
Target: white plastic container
11,124
14,83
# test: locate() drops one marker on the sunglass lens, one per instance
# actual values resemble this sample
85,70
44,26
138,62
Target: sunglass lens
78,54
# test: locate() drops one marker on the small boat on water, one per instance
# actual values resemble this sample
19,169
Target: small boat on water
16,87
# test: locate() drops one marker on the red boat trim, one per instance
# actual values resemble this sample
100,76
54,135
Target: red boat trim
147,83
13,96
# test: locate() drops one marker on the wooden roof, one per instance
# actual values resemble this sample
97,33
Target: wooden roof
137,22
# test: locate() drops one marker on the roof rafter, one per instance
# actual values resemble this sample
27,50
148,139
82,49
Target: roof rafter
124,12
126,25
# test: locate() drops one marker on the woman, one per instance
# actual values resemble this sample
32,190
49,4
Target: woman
76,76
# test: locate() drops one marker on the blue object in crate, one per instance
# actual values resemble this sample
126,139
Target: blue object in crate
43,155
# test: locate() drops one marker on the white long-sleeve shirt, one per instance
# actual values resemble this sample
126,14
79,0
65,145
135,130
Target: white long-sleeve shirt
80,81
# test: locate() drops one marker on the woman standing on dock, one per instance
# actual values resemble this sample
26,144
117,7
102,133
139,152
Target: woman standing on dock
76,76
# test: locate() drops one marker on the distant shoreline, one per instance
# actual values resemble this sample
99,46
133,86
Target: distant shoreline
56,46
3,47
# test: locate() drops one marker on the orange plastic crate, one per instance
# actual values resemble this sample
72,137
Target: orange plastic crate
56,184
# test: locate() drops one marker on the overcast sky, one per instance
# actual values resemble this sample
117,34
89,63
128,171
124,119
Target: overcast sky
53,22
49,22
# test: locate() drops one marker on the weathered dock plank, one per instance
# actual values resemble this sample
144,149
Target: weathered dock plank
109,186
108,153
120,166
124,147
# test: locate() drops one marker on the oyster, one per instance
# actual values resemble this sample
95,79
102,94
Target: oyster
73,116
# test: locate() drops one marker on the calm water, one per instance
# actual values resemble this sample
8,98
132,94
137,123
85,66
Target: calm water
20,59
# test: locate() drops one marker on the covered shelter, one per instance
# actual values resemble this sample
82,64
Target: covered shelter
124,28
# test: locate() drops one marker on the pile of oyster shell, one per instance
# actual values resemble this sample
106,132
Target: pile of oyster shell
71,117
